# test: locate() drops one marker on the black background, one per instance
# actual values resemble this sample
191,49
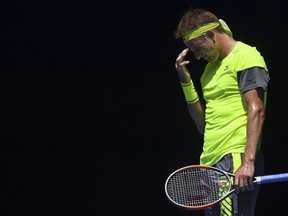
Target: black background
93,119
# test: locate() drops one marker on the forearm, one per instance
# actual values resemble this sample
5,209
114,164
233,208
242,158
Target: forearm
255,121
194,105
196,111
256,117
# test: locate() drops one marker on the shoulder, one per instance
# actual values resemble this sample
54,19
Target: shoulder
247,56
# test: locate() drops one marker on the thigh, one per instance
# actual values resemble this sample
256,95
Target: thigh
225,207
242,204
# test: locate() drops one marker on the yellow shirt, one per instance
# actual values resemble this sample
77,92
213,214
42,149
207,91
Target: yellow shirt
226,111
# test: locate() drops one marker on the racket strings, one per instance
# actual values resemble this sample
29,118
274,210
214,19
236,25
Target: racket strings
196,187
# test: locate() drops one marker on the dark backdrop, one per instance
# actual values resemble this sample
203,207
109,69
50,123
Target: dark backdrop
93,119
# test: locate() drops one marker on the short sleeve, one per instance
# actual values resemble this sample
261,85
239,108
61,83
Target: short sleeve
252,78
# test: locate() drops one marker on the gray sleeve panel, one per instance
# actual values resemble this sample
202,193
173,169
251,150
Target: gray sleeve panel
253,78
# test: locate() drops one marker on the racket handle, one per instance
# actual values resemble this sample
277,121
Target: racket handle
271,178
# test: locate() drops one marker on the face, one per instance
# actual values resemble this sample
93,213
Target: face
203,47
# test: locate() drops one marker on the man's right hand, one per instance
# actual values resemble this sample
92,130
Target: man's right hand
180,66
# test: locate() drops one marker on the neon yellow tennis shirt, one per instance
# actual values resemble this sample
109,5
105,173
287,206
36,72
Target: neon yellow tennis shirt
226,111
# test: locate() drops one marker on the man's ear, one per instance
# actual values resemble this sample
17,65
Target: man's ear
209,34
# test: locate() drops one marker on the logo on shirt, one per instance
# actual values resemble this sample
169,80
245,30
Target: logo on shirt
226,67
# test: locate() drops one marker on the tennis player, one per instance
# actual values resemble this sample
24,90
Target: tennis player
230,111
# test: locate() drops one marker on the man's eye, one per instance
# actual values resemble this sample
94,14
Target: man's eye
198,48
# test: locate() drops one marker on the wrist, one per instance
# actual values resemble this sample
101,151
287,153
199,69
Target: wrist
190,92
184,75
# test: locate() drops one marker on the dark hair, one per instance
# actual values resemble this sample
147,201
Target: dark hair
192,19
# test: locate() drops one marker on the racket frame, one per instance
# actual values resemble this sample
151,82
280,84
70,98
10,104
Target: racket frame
199,207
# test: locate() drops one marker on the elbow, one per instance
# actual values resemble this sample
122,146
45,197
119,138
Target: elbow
258,113
261,112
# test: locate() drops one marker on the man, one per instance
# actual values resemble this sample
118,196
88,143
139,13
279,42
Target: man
231,116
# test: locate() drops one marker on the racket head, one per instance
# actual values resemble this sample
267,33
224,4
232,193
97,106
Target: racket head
198,187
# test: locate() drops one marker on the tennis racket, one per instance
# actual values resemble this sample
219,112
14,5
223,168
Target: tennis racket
197,187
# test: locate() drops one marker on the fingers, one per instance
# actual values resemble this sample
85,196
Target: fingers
243,184
182,55
251,184
180,61
180,65
237,185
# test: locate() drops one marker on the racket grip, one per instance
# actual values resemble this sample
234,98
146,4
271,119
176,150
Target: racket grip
272,178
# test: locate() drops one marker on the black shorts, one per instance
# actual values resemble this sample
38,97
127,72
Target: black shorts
243,203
